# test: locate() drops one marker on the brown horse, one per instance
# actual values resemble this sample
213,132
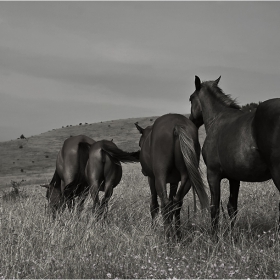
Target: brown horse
239,146
103,171
68,180
170,153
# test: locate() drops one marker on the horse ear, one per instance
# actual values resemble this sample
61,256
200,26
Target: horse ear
197,83
139,128
45,186
217,81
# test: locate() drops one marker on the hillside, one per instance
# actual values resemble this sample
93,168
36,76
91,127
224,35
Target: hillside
33,159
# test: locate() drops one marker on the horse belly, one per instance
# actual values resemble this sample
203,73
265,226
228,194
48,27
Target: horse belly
247,165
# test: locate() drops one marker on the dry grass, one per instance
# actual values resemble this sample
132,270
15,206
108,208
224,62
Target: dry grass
34,246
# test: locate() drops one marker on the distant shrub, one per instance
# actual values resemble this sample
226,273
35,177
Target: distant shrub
250,106
20,146
109,125
151,120
62,126
86,123
14,193
47,156
80,123
21,170
22,136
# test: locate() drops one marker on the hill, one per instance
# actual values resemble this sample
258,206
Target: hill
33,159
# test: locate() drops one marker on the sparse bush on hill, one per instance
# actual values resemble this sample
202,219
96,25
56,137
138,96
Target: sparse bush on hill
14,192
20,146
22,136
250,106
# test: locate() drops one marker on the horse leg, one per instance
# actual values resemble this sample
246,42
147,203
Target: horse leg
172,193
214,181
94,192
166,205
275,174
81,202
232,203
154,207
178,202
108,192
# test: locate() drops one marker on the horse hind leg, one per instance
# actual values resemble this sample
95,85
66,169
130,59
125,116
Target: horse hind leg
232,203
154,207
178,202
275,174
166,205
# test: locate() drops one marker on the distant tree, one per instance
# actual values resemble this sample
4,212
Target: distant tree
22,136
250,106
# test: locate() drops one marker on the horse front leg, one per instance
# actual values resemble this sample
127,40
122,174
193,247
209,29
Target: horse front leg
232,203
214,181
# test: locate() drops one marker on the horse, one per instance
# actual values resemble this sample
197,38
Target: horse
170,153
239,146
68,180
103,171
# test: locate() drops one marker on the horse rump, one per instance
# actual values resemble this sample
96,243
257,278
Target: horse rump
79,184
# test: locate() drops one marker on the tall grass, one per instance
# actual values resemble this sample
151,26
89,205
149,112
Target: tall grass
125,246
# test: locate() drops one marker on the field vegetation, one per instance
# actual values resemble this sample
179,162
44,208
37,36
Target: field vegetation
32,245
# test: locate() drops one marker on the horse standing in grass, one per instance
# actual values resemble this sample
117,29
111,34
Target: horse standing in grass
239,146
170,153
68,180
103,171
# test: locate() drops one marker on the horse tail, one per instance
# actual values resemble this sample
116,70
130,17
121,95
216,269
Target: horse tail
192,163
55,181
79,183
117,155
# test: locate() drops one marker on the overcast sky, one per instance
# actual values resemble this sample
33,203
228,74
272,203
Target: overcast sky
63,63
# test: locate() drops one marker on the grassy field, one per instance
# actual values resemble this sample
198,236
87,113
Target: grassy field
125,246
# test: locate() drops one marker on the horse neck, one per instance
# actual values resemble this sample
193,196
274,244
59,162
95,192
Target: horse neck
211,110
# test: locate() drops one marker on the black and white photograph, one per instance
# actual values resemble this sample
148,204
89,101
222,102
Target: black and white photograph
139,139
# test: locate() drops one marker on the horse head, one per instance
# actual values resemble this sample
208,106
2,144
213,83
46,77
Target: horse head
196,109
53,195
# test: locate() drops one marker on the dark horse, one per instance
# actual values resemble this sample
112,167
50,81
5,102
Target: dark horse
239,146
170,153
104,171
68,180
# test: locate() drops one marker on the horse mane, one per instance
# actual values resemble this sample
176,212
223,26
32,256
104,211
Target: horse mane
217,92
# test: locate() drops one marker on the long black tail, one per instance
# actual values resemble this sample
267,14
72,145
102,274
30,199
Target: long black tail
192,164
118,155
79,184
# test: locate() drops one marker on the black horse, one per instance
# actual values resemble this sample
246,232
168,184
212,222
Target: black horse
239,146
68,181
103,171
170,153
